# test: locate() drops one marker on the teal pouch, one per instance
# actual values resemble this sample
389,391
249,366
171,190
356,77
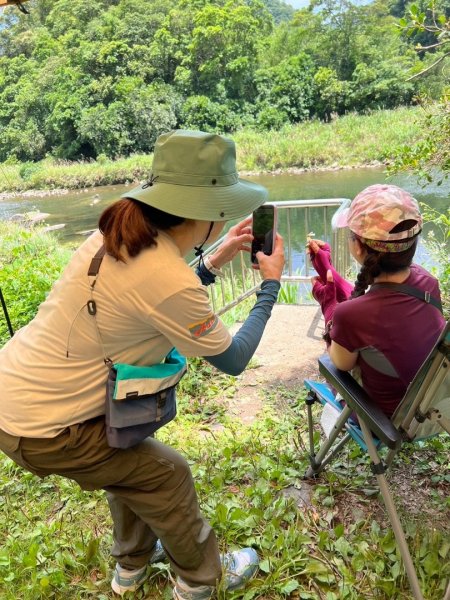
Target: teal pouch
140,399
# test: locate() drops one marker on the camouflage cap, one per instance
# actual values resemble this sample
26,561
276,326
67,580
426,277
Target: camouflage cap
377,210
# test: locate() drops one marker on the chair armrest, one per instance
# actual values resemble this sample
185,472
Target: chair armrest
361,403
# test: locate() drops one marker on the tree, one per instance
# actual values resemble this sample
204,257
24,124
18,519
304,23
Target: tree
429,158
434,28
207,46
279,10
200,112
130,124
343,20
330,93
288,87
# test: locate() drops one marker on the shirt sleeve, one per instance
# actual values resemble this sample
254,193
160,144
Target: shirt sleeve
344,330
188,321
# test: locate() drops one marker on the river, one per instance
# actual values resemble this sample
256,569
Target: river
79,210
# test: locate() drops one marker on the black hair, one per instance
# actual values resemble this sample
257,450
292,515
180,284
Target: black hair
376,262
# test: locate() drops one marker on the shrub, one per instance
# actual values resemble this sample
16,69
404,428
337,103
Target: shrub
30,262
199,112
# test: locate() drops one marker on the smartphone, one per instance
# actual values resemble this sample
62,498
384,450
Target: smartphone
264,230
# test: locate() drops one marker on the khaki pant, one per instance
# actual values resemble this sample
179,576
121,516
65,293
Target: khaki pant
150,492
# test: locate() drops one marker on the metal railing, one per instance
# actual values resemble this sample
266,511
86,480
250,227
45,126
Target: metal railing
296,220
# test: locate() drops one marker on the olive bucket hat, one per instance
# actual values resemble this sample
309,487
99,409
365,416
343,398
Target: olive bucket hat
194,176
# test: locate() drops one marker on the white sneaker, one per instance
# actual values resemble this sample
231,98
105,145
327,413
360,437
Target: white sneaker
239,567
125,580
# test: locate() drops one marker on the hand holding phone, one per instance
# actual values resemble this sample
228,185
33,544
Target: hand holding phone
239,237
264,230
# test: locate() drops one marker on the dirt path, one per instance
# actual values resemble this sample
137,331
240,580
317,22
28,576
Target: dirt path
287,353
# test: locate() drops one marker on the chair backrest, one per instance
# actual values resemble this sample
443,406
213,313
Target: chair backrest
425,408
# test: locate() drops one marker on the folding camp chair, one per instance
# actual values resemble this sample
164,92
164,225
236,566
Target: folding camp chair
423,412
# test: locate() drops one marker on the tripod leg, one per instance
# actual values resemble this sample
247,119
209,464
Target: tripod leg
5,310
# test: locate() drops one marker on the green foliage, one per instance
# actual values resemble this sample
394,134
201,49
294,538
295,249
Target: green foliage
79,79
382,87
200,112
223,47
348,140
330,93
280,10
288,293
56,538
28,169
51,174
288,87
30,262
426,23
132,124
428,157
438,242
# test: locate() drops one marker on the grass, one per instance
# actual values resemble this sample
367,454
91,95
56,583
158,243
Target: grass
347,141
30,262
350,140
56,174
55,538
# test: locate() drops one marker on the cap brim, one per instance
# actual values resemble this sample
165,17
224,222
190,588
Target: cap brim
221,203
340,217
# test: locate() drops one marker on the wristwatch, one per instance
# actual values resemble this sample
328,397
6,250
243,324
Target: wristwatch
211,269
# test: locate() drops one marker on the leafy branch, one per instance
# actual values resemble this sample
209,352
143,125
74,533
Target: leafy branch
431,22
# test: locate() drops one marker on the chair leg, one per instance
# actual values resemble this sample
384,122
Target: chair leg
319,466
390,458
322,458
447,593
378,468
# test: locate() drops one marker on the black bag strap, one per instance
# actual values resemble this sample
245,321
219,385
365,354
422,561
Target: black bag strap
94,267
410,291
93,270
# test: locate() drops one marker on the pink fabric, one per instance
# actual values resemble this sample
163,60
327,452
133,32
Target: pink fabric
327,293
321,261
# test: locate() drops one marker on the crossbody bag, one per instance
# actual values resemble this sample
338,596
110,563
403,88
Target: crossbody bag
139,399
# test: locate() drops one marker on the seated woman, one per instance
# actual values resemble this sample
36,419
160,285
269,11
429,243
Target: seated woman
386,331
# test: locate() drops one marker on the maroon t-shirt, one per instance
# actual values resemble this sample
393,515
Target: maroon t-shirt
393,334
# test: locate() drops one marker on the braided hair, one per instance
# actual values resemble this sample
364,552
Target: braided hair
376,262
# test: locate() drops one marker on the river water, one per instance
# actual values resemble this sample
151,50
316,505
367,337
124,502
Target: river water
79,210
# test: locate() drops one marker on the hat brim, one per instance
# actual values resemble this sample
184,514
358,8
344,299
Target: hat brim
206,203
340,217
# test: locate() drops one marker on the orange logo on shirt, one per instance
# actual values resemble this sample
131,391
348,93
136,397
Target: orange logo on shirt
198,330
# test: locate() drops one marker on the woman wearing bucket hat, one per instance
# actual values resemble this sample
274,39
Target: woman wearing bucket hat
394,316
148,300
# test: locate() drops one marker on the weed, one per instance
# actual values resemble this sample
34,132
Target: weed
55,538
